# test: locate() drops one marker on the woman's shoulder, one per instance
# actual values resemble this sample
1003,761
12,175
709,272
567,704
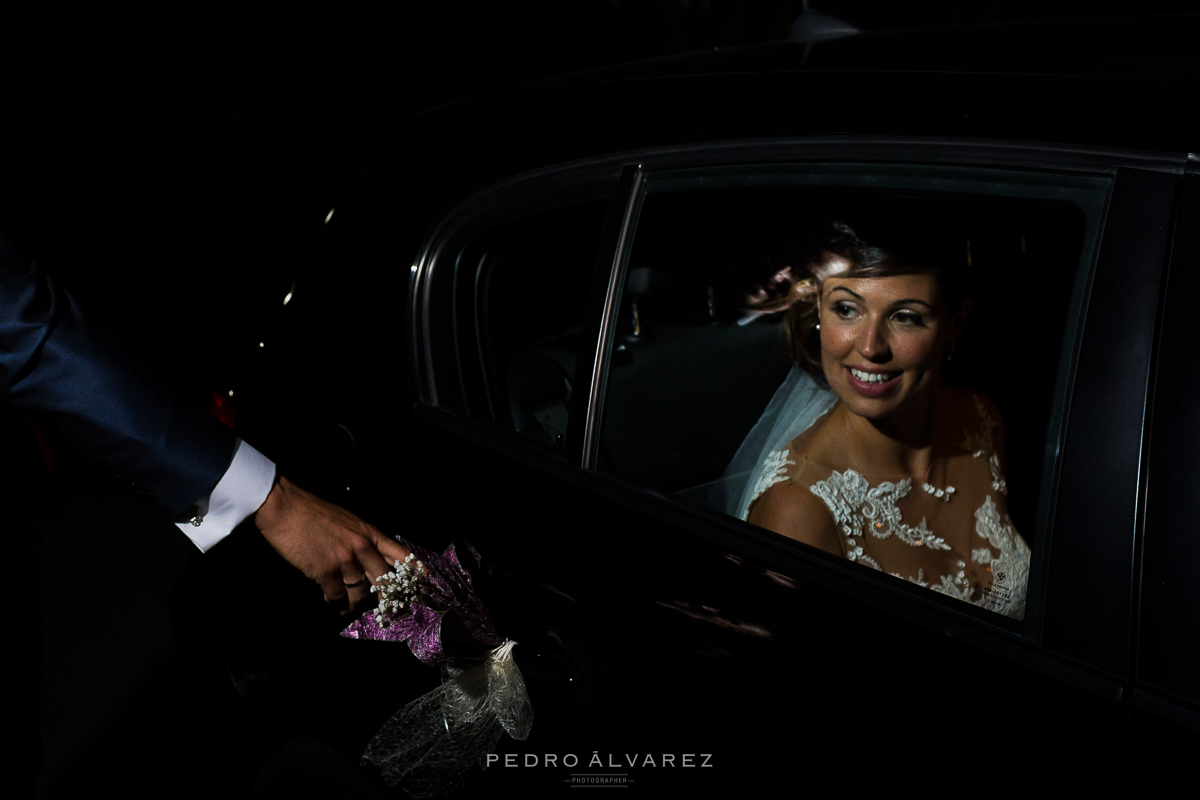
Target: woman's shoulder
789,507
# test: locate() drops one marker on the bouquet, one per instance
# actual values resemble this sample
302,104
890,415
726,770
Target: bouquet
428,602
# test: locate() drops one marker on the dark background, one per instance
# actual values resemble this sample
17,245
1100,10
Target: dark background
174,170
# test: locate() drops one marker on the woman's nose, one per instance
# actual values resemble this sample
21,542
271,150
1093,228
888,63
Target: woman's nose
872,342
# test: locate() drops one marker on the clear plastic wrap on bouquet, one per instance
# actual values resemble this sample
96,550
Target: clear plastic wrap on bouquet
429,603
427,745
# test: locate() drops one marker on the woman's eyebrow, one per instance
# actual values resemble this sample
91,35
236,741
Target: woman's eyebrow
906,301
911,300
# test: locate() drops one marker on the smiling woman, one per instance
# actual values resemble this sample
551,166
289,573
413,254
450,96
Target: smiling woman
875,324
816,350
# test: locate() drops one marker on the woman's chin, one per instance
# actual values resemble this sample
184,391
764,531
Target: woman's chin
895,403
872,408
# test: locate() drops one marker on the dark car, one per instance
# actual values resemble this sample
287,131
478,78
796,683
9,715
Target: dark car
561,273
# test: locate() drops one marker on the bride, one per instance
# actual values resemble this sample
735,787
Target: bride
863,453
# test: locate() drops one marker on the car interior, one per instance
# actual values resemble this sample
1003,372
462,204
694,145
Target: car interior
691,369
693,374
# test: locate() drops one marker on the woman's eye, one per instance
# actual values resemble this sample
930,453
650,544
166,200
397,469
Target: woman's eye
908,318
844,310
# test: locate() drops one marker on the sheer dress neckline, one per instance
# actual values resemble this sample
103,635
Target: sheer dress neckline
960,543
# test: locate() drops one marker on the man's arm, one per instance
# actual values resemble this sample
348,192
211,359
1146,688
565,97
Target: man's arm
343,554
51,361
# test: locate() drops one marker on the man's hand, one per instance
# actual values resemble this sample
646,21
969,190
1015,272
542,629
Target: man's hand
339,551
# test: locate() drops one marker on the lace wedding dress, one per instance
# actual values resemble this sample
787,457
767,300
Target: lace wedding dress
950,534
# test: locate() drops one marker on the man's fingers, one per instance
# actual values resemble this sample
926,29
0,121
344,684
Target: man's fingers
358,590
352,589
333,589
391,550
380,554
343,554
374,565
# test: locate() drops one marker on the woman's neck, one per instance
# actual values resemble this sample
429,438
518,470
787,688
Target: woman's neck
902,444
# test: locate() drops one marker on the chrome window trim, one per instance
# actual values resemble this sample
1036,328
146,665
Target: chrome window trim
608,322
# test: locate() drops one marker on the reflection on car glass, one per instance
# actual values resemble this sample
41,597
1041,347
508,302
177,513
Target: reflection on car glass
863,452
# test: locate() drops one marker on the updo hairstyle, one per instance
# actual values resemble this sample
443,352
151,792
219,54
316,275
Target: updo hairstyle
901,248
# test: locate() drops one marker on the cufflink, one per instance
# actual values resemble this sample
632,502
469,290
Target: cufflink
192,515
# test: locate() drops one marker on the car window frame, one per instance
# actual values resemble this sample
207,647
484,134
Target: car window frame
504,202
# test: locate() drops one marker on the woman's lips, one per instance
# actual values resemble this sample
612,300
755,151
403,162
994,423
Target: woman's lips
876,387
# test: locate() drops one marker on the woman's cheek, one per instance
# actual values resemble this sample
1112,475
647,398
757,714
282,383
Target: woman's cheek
836,344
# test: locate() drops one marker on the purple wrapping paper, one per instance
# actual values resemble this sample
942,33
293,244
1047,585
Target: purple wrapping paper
447,611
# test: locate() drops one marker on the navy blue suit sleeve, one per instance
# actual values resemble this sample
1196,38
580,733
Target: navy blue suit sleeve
97,395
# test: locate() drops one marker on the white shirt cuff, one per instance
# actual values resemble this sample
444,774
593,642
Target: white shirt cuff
240,492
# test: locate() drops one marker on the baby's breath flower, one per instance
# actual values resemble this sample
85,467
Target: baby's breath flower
398,588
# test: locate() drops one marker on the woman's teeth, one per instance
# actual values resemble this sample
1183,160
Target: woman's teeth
871,377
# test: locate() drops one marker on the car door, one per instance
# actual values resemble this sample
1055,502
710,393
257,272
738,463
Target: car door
601,434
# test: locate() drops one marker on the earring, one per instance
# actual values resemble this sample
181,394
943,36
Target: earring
818,326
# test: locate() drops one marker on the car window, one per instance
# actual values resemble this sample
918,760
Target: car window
506,306
701,356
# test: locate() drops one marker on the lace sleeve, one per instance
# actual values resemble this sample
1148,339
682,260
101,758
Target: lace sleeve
783,504
773,470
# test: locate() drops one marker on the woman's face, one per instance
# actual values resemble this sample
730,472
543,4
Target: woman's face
883,341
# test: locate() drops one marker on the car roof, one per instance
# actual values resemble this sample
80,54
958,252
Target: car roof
1124,84
1147,50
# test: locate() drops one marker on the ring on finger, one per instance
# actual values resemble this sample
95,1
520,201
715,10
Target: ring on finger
358,582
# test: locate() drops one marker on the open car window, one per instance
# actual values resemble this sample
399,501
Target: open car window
701,350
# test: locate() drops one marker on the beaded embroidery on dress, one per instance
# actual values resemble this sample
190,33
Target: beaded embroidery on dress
957,541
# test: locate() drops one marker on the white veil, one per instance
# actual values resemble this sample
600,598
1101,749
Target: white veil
796,405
